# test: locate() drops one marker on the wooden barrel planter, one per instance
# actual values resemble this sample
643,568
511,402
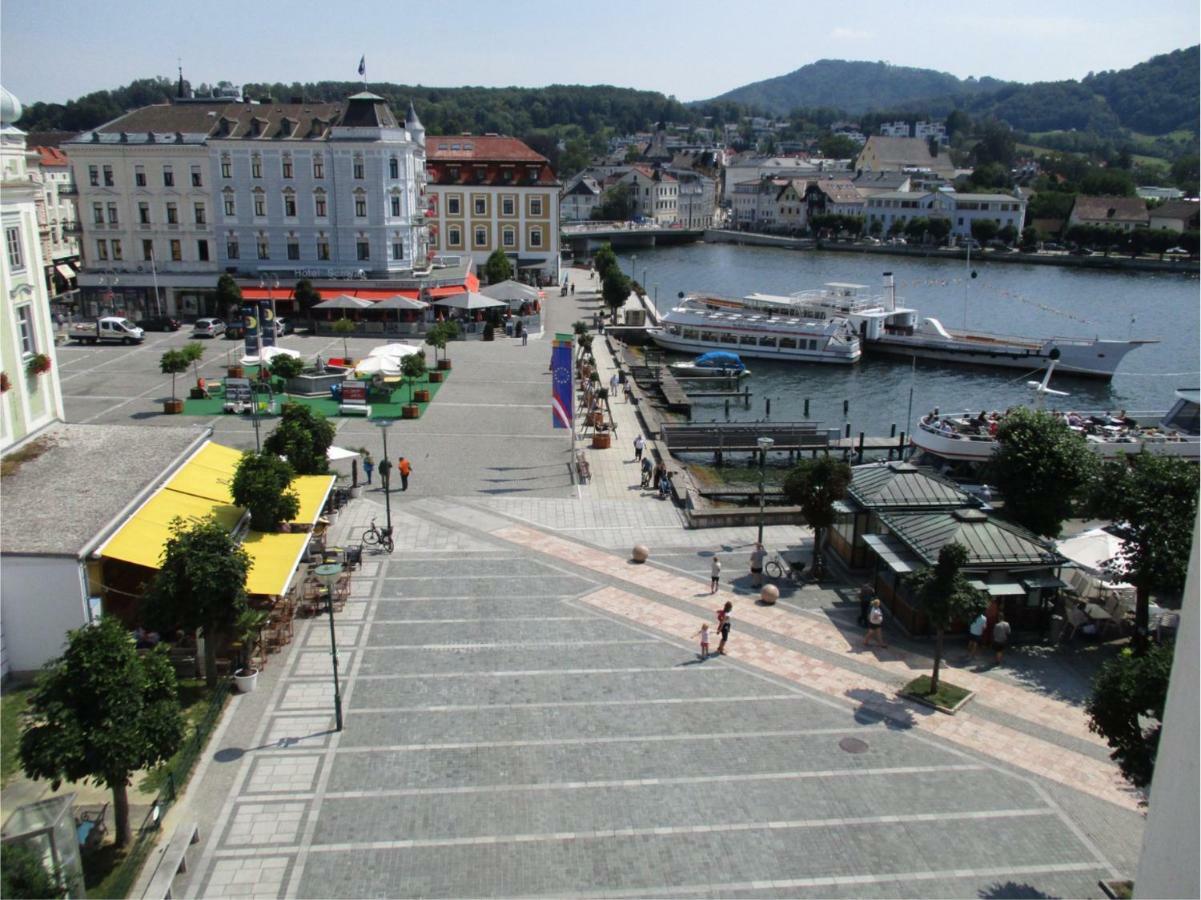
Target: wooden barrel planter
172,407
598,419
421,395
444,364
235,372
601,440
410,411
436,377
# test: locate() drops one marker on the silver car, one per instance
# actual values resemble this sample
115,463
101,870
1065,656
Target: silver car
208,328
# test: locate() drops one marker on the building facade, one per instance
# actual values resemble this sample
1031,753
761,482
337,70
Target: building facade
30,398
172,195
58,218
490,192
655,194
580,197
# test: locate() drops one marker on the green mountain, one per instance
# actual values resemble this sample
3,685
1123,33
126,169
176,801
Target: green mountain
855,87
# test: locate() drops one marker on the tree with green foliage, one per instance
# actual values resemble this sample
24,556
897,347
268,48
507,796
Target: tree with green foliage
616,204
22,874
306,296
173,362
344,328
302,437
984,230
1184,173
1008,234
814,485
200,585
615,290
1108,183
943,594
284,365
261,485
938,229
1029,240
102,711
1154,498
193,351
498,267
837,146
1126,709
605,261
916,228
436,337
229,295
413,367
1041,467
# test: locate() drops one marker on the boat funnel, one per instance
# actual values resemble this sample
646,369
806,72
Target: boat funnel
890,290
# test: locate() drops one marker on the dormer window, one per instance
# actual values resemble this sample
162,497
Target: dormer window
507,176
481,174
532,172
453,172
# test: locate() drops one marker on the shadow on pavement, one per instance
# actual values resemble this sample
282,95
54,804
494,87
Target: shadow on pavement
875,707
1012,889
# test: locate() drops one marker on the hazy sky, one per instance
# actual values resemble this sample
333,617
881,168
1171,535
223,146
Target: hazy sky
55,50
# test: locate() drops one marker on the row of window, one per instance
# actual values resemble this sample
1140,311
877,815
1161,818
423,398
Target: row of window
481,241
110,248
479,204
320,204
139,176
233,249
287,170
746,340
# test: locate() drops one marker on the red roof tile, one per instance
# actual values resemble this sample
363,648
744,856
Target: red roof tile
485,148
51,156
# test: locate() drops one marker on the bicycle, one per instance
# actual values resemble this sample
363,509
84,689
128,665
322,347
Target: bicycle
376,536
779,567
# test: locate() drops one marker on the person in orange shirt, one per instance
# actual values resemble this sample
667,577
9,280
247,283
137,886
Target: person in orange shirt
404,468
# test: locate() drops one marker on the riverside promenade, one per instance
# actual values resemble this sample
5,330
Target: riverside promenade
526,714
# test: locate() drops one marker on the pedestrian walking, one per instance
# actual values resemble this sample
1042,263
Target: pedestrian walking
865,603
614,382
703,634
573,289
639,444
975,632
647,468
1000,637
629,390
714,574
875,625
664,485
757,557
404,468
525,337
723,626
385,474
368,467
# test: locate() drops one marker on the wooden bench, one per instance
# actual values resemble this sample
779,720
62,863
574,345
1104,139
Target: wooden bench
172,861
582,467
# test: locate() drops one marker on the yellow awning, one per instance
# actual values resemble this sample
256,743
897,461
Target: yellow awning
142,539
275,558
209,473
312,491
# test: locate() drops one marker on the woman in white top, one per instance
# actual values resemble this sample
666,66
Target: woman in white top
714,575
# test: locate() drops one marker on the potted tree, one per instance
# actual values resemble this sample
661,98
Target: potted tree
436,337
286,367
173,363
451,330
412,368
247,628
193,351
344,328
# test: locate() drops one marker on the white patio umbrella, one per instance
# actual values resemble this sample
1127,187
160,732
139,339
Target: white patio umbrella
388,366
393,351
469,300
269,353
343,301
1090,551
513,292
400,301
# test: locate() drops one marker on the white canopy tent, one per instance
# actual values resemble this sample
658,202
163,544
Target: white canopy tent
269,353
393,351
1090,551
388,366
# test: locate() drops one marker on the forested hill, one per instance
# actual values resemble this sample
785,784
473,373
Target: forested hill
1155,97
854,87
512,110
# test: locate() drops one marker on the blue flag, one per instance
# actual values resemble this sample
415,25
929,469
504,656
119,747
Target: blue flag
562,398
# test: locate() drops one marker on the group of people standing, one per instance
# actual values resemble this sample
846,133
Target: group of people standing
403,467
723,623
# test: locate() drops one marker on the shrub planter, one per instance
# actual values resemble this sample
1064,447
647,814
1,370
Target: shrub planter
950,699
172,407
444,364
601,440
235,372
436,377
198,394
410,411
421,396
245,680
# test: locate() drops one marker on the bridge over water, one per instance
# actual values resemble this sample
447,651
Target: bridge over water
584,238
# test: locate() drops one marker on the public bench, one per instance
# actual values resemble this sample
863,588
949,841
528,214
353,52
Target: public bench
172,861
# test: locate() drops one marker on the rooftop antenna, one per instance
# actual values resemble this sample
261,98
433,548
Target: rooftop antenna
179,94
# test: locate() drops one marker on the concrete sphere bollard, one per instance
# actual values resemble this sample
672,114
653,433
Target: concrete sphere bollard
641,553
770,594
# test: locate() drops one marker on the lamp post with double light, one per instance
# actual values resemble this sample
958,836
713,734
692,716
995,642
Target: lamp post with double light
765,444
385,469
328,574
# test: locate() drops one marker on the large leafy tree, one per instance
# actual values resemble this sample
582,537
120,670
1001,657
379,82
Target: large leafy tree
814,485
1127,709
1154,500
498,268
944,595
615,291
1041,467
229,295
605,260
102,712
261,485
200,585
303,437
413,367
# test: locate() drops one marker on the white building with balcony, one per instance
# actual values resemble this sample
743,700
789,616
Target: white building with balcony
58,217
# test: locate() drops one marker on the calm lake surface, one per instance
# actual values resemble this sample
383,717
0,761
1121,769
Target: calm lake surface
1004,298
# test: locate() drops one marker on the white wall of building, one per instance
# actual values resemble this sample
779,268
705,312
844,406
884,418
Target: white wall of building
41,599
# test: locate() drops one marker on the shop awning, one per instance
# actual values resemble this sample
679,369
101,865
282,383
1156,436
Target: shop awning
893,553
65,271
1005,589
142,539
312,491
208,474
1042,581
279,293
275,557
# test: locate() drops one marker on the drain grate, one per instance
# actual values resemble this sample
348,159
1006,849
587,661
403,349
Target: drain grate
853,745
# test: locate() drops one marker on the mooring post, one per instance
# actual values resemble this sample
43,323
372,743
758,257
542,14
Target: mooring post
848,434
727,408
806,407
901,447
768,407
747,398
892,432
861,446
846,405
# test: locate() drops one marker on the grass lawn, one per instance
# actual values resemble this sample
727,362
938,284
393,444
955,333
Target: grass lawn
947,697
737,476
326,405
12,704
193,701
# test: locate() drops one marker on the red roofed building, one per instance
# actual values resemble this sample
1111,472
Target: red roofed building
58,216
655,194
489,191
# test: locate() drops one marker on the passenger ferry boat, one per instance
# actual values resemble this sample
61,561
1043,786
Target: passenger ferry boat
700,323
1174,433
885,326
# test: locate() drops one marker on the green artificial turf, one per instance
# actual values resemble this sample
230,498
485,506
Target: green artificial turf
326,405
947,697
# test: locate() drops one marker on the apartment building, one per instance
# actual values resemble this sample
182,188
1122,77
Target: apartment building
58,217
489,192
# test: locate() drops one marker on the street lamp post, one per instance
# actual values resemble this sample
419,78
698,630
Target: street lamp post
385,469
633,267
328,574
765,444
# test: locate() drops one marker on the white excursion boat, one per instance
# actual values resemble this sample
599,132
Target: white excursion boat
885,326
1175,433
701,323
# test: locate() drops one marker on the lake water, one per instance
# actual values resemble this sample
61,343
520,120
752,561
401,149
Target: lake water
1004,298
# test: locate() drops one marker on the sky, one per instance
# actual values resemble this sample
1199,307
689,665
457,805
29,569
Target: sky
54,50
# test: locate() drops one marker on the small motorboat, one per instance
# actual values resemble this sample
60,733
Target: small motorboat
715,364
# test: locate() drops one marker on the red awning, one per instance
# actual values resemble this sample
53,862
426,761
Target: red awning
263,294
470,283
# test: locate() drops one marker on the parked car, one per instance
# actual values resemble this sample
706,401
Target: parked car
282,326
208,328
159,323
106,330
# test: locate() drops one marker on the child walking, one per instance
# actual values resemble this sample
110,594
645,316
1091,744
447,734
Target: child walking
703,634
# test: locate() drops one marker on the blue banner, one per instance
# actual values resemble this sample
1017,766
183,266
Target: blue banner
250,321
267,317
563,397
